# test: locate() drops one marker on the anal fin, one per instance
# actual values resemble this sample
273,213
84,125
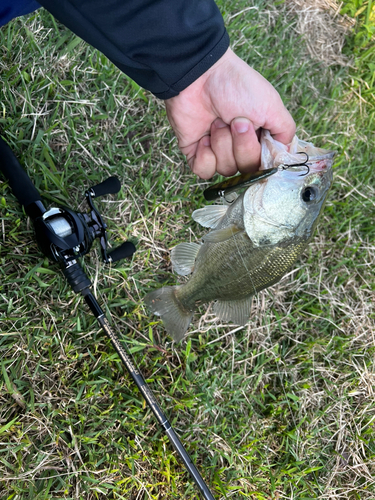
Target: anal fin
237,311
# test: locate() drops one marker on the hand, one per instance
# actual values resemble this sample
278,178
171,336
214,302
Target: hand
217,117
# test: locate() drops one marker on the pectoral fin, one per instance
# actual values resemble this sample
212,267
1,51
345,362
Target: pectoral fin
237,311
183,257
209,216
219,235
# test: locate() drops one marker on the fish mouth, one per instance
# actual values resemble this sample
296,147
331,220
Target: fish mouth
314,165
321,164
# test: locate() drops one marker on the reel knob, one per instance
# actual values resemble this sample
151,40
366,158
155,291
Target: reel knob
111,185
125,250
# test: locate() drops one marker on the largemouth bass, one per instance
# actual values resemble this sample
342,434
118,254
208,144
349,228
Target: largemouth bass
253,242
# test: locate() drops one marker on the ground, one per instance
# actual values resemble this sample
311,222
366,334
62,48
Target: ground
280,408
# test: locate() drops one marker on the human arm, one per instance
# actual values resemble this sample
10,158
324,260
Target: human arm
179,51
163,45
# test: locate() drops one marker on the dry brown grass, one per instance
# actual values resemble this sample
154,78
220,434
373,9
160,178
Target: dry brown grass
323,28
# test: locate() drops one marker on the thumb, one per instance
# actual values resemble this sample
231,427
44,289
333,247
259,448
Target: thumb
281,125
246,147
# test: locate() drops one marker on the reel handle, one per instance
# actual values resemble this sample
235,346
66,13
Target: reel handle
125,250
110,186
22,187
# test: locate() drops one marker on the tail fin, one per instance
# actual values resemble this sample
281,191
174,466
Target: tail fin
164,303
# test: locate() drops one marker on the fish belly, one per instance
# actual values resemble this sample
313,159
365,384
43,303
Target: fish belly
235,269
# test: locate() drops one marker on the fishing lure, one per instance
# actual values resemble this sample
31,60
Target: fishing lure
235,183
220,189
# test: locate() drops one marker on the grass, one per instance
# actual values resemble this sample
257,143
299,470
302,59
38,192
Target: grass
282,408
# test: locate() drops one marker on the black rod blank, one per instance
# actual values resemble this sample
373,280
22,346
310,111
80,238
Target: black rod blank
146,392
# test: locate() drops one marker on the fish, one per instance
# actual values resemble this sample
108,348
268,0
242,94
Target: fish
253,241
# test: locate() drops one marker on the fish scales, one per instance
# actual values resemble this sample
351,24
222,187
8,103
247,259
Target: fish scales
242,269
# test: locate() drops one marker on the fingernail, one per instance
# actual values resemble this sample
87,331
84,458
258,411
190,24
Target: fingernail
219,123
206,140
241,125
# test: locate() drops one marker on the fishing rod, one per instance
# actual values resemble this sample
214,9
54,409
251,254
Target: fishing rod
64,236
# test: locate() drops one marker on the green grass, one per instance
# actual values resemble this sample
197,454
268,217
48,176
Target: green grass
282,408
361,46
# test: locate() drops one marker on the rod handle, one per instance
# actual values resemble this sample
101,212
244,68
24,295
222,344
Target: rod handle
22,187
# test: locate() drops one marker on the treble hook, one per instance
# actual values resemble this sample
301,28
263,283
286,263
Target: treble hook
303,164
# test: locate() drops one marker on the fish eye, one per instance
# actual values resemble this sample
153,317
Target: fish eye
309,193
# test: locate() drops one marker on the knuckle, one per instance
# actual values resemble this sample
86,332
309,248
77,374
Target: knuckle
226,170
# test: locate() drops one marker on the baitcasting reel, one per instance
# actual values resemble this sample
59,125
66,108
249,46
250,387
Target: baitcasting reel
63,234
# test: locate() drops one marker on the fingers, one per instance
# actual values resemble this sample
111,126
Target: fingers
203,163
283,127
229,149
246,147
222,146
236,147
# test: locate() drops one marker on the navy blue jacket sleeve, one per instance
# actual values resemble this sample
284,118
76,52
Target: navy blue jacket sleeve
164,45
9,9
